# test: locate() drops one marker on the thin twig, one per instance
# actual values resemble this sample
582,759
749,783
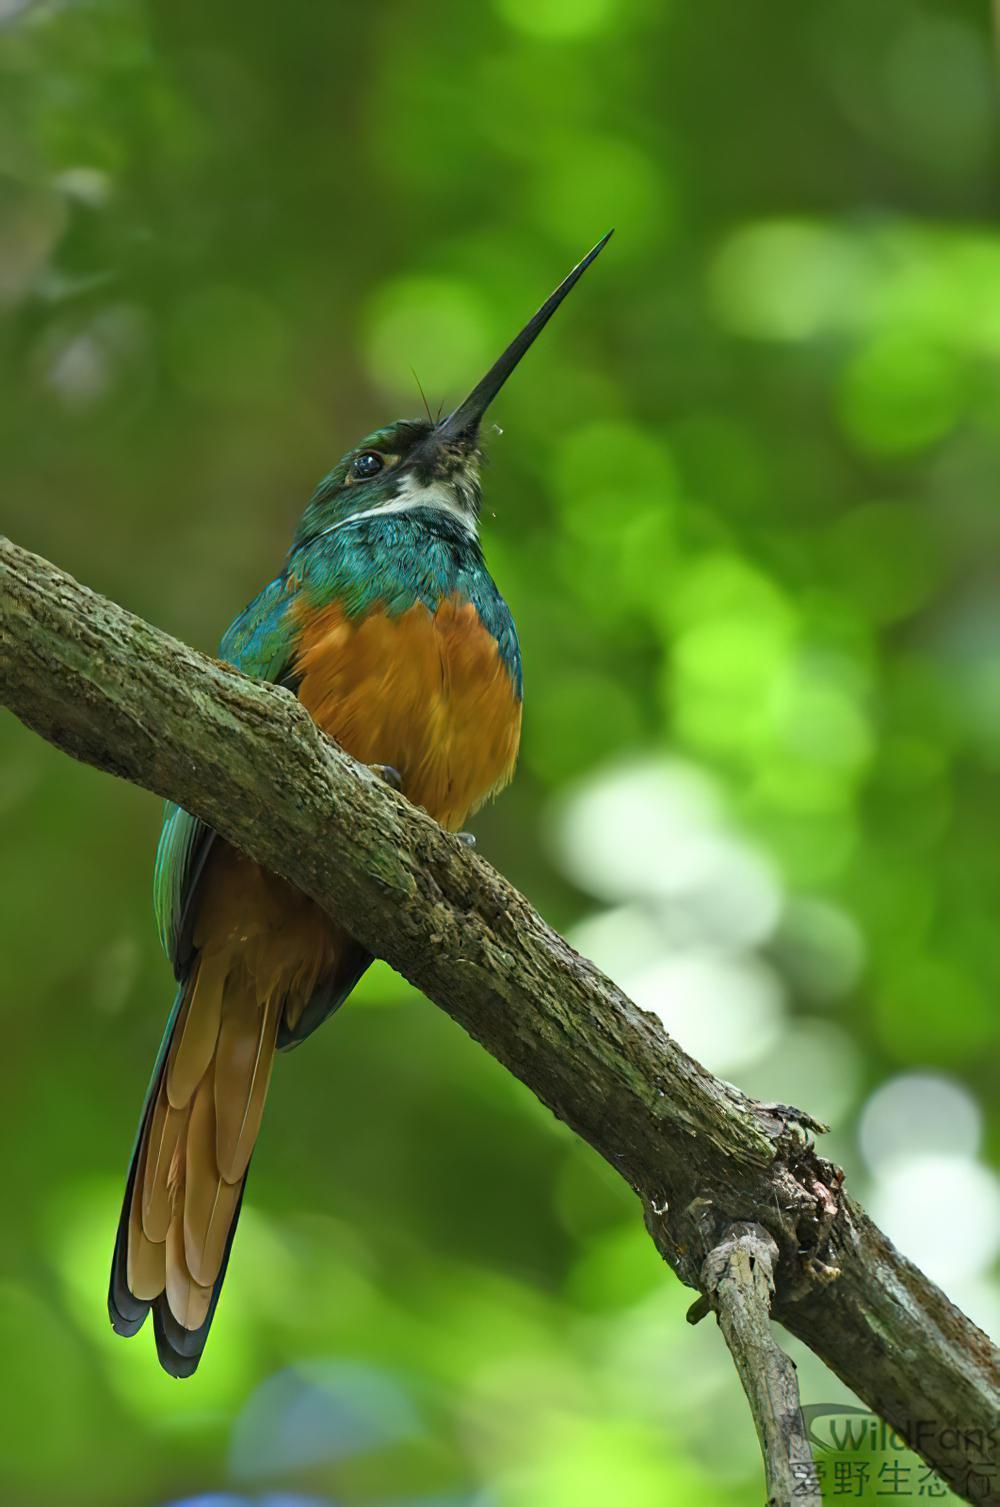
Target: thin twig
738,1277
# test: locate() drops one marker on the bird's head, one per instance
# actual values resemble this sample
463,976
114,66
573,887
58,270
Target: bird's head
416,463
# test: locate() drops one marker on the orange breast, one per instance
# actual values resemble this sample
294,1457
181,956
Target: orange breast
424,692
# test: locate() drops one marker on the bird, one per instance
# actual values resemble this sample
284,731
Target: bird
386,624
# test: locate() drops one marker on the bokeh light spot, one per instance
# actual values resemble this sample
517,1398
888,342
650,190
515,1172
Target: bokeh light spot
101,361
725,1010
655,832
559,19
901,393
434,326
587,184
592,1460
784,279
962,1239
595,461
915,1113
818,720
319,1411
613,832
734,636
617,488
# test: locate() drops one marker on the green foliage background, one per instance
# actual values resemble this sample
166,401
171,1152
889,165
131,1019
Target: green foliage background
744,509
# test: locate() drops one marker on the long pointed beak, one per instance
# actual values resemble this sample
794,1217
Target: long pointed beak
464,420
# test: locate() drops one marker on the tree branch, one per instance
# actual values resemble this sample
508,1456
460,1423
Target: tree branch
738,1278
247,758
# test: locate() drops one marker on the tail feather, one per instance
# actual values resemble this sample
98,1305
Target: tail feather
187,1298
189,1166
242,1076
178,1349
127,1312
209,1201
167,1126
145,1266
197,1030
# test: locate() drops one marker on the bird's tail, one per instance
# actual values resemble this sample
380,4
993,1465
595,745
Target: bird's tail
197,1132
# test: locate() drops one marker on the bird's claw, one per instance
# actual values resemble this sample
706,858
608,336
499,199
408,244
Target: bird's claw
467,839
797,1116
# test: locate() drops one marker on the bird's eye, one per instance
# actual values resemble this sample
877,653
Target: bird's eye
369,463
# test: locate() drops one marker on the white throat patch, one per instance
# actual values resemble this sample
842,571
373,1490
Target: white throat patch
412,495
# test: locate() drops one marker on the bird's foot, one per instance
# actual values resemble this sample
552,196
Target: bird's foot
467,839
388,774
791,1127
795,1120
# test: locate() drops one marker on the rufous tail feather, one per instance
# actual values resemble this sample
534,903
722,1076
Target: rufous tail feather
191,1158
267,966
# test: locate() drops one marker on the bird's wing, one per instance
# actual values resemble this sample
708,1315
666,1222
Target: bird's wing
261,643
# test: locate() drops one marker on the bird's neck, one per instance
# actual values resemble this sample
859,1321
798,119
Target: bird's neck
413,496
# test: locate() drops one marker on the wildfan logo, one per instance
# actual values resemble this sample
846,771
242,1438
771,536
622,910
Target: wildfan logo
861,1457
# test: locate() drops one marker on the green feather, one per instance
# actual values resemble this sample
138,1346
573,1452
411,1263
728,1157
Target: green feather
261,643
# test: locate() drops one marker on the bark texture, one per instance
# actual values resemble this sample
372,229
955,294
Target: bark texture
110,689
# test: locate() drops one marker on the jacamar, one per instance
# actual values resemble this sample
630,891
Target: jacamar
387,625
